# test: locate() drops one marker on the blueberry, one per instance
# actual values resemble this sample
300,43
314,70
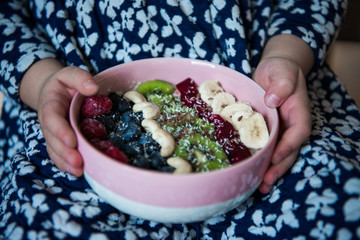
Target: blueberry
148,143
132,149
121,127
132,132
117,140
142,162
115,116
168,169
119,103
107,121
157,161
132,116
145,138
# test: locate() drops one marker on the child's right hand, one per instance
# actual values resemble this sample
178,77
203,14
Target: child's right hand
48,87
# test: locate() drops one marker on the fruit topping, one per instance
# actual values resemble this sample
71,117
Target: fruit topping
154,127
93,128
95,106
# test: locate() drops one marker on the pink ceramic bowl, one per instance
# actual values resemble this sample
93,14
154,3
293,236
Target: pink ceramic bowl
165,197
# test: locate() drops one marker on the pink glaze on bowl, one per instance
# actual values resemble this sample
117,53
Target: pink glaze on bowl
224,189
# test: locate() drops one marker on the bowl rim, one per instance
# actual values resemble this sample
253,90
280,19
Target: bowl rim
75,123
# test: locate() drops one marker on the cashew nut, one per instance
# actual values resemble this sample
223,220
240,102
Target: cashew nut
150,125
165,139
134,96
181,166
149,110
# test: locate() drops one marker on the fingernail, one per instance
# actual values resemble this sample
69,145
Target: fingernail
89,84
272,100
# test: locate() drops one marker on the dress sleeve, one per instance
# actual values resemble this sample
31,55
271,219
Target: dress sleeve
21,45
317,22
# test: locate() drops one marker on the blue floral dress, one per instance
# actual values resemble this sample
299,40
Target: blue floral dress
318,198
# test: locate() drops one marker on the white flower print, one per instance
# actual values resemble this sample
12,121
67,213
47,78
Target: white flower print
63,225
173,52
8,46
172,24
83,204
127,19
308,37
31,50
109,7
352,206
209,16
322,231
25,167
48,185
261,226
37,235
88,41
114,32
320,204
311,178
344,234
127,50
229,234
275,25
153,46
83,8
146,21
37,205
6,68
235,23
98,236
107,52
287,217
230,47
195,45
13,231
320,6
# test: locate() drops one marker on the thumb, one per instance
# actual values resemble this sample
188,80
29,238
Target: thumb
278,91
77,79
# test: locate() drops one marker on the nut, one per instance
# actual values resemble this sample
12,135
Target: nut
181,166
165,139
134,96
149,110
150,125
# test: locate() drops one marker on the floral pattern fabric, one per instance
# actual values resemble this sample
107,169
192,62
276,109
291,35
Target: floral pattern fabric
318,198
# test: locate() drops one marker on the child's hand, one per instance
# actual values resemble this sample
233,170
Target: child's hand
52,100
286,89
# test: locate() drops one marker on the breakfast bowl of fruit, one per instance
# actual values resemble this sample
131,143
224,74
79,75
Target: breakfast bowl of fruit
174,140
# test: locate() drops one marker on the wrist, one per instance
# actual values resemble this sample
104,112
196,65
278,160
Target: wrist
35,78
292,48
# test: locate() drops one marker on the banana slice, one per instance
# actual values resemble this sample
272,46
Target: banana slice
253,131
209,89
242,109
222,100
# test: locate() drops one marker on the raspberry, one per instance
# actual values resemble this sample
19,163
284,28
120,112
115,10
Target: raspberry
92,128
109,149
95,106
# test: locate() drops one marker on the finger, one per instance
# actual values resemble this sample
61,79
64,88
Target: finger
78,79
278,91
64,165
290,140
278,77
66,154
296,125
276,171
54,122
